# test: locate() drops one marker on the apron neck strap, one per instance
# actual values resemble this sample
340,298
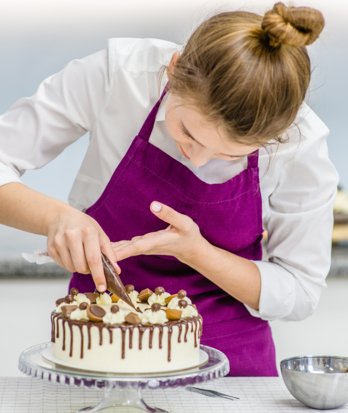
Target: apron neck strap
253,159
147,127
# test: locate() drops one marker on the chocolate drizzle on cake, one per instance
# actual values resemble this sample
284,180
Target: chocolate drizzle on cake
127,332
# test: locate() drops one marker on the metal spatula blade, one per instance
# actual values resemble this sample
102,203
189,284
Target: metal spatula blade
113,281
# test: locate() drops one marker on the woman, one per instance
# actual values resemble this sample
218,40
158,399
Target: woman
227,149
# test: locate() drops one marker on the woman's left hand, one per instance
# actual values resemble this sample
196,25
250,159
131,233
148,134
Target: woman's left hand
180,239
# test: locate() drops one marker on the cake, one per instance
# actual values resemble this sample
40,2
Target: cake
100,332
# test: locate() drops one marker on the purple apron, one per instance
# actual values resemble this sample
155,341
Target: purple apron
229,216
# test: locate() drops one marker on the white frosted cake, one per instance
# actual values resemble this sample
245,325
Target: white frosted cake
100,332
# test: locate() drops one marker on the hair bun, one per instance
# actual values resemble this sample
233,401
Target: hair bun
295,26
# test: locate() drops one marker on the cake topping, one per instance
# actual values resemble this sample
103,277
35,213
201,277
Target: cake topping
114,308
81,298
59,301
159,296
154,317
114,318
68,309
182,303
132,318
174,303
144,295
92,297
189,311
104,299
79,314
172,314
68,299
115,298
74,291
155,307
159,290
95,312
132,294
169,298
182,294
129,288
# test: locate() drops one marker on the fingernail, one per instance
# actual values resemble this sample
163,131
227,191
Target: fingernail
156,207
101,288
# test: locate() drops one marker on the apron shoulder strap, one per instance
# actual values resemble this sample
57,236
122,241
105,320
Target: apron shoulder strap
253,159
147,127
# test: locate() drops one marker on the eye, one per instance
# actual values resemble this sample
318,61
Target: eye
185,133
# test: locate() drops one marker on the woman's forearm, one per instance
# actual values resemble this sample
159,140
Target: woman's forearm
237,276
26,209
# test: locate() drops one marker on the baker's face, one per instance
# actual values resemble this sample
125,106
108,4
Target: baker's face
198,140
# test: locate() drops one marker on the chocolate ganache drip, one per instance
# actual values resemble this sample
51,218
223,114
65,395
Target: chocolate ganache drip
61,321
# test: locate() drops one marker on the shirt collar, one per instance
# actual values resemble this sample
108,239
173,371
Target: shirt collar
160,117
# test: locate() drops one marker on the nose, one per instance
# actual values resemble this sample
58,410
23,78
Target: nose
200,156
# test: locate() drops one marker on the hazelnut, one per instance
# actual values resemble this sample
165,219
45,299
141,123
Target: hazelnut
83,306
173,315
132,318
144,295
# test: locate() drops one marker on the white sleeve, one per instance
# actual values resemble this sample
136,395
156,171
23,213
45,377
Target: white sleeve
299,226
36,129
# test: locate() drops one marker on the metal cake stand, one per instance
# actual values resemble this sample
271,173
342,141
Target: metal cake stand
121,390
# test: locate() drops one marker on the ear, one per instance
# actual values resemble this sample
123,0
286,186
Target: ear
172,63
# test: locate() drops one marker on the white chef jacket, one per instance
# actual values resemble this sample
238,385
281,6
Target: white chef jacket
109,93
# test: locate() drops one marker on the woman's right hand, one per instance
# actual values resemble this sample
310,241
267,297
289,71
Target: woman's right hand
75,241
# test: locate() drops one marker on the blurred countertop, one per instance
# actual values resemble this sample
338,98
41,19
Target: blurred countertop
19,268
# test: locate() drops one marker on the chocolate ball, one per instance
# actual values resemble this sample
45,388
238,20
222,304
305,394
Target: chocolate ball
159,290
182,294
74,291
182,303
68,299
156,307
115,308
83,306
129,288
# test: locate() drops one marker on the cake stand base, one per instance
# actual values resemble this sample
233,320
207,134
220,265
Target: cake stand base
122,392
118,398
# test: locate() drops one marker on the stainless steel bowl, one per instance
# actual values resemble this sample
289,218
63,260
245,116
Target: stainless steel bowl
320,382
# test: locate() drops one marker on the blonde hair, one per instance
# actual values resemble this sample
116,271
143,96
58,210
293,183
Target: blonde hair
249,73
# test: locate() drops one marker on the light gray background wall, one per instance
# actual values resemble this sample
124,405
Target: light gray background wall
37,38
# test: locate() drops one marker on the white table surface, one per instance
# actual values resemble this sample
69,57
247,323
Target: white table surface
259,395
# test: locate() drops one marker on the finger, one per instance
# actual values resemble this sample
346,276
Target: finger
59,252
65,258
130,250
116,245
151,243
172,217
93,256
78,256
